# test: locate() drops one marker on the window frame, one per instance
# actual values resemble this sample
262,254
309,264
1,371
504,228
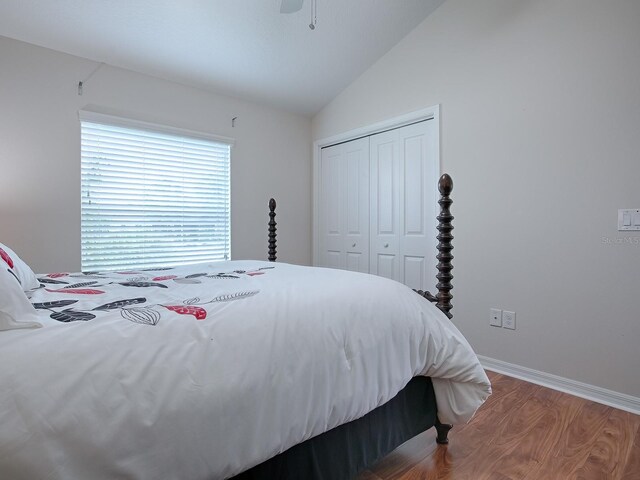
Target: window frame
91,116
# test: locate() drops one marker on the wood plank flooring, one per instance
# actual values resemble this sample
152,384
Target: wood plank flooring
524,432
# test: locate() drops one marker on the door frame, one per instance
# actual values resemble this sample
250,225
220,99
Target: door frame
429,113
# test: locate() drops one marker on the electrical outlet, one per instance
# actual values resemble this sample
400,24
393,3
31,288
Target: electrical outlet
509,320
495,317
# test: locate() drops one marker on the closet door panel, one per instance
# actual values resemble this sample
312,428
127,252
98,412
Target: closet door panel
356,262
419,171
356,185
333,259
414,271
385,200
413,186
344,206
386,189
331,241
386,266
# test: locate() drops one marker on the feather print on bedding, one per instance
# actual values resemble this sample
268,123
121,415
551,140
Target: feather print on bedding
137,309
5,256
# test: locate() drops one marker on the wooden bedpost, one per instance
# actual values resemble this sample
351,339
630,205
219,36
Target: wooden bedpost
443,298
445,186
272,230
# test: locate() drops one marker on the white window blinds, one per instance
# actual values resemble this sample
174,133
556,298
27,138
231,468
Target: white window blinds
152,198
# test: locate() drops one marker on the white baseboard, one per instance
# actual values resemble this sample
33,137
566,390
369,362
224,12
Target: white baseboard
622,401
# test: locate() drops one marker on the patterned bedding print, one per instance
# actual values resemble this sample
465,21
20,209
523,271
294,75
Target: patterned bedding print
141,296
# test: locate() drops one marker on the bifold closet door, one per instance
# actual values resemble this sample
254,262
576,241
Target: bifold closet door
344,206
404,169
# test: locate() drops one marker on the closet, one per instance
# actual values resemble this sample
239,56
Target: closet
377,205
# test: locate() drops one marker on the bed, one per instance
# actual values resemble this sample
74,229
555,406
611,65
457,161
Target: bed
241,369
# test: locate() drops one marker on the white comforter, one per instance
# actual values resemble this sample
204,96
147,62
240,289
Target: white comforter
180,375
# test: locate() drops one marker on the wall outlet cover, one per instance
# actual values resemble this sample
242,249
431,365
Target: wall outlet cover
509,320
495,317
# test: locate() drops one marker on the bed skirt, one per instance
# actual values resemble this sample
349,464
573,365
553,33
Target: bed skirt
343,452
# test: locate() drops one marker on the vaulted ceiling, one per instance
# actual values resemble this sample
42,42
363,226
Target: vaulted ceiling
243,48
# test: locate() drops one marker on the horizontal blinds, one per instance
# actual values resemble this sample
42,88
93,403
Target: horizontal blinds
152,199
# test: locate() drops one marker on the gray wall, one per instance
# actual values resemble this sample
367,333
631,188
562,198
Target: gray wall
540,129
40,153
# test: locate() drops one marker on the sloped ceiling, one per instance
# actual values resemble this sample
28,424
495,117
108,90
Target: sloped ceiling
243,48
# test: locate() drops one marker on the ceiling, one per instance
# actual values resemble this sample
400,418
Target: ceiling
243,48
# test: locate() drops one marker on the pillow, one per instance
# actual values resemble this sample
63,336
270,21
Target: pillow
15,309
21,270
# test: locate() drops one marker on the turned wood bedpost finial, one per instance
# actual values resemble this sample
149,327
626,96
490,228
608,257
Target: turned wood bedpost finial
444,276
272,230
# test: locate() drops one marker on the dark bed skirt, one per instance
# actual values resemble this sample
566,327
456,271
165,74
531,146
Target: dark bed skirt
341,453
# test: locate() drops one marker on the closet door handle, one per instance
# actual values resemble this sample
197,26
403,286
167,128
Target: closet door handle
386,245
353,246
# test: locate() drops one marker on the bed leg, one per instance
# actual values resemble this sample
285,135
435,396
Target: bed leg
442,433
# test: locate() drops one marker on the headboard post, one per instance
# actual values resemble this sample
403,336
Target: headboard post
272,230
445,237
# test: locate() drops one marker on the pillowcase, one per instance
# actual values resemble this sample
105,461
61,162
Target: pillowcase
15,309
21,270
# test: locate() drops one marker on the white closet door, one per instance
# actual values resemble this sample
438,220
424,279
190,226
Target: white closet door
385,205
420,168
356,206
331,239
344,206
404,171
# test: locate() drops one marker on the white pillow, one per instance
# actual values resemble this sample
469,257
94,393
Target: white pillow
16,310
21,270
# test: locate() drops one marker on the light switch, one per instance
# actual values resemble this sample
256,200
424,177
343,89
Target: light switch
629,219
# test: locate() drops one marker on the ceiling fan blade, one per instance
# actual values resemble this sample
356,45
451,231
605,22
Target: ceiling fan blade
290,6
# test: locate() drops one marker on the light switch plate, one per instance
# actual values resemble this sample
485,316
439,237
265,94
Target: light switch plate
629,219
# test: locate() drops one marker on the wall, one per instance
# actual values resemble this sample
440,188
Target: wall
540,129
40,153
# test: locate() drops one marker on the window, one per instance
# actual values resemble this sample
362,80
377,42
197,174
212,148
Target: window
152,196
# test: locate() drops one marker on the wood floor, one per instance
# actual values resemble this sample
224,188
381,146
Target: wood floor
524,432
